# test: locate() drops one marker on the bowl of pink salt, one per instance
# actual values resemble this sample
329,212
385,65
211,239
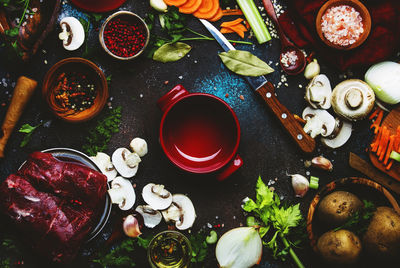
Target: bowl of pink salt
343,24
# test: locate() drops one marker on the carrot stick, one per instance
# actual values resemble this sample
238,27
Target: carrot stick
228,12
385,143
396,143
378,120
374,113
375,145
225,30
378,153
299,119
389,150
231,23
389,165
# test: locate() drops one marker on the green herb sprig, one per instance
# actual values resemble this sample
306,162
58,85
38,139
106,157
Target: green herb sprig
28,130
174,29
100,134
121,256
199,247
281,218
358,223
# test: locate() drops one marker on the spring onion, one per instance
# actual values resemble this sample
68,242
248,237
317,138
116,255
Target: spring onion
395,156
314,182
255,20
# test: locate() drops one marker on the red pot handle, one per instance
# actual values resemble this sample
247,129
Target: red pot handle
171,97
231,168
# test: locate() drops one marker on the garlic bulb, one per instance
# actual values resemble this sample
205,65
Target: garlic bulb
239,248
312,69
300,184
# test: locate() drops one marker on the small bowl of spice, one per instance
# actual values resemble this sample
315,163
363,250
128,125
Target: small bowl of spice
75,89
124,35
343,24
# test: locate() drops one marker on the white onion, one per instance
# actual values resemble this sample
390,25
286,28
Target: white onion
239,248
384,79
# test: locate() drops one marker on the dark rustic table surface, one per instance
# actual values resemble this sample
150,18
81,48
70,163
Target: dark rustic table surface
266,149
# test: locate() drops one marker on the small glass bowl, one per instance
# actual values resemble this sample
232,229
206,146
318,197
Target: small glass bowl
169,249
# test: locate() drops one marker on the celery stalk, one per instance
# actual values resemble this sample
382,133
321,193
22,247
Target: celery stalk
255,20
395,156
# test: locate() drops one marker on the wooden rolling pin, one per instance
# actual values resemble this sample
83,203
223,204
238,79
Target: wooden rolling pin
22,93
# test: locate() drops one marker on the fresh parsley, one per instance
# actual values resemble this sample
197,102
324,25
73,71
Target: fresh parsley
121,256
280,217
358,223
28,130
101,131
199,247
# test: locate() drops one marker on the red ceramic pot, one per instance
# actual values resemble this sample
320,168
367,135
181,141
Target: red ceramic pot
98,5
199,133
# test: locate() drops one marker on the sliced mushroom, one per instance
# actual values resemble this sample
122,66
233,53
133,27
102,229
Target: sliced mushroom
181,212
319,122
318,92
139,146
151,216
103,161
126,162
156,196
353,99
340,135
73,34
122,193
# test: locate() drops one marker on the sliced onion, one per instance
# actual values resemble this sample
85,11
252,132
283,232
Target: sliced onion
239,248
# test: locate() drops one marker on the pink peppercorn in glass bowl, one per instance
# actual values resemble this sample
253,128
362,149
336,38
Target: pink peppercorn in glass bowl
343,24
124,35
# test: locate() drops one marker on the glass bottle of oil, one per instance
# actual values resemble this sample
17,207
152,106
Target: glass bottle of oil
169,249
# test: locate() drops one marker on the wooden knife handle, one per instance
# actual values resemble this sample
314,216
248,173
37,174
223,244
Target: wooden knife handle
22,93
302,139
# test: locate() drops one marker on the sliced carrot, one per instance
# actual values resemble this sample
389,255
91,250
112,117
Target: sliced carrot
231,23
190,6
373,114
225,30
377,121
389,150
389,165
385,142
206,6
247,24
374,146
396,144
239,27
206,12
217,16
233,12
176,3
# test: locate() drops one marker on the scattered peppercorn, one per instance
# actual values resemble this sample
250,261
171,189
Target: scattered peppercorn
125,38
74,91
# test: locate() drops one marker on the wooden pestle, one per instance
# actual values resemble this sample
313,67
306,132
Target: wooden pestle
22,93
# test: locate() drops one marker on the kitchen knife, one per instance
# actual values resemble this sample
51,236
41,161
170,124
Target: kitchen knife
267,92
364,167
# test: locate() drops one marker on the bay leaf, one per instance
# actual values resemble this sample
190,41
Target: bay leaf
171,52
244,63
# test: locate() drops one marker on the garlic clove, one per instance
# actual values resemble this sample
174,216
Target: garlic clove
312,69
300,184
131,226
159,5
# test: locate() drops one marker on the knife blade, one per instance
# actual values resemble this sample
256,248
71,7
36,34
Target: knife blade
365,168
267,92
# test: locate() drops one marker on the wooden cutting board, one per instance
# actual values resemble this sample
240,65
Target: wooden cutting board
391,121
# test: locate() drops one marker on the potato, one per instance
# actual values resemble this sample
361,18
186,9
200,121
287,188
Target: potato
340,247
382,237
336,208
